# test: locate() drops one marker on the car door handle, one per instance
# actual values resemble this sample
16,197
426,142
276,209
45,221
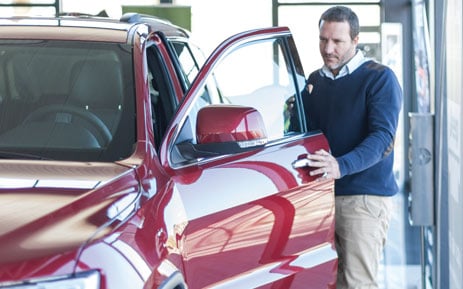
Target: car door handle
300,163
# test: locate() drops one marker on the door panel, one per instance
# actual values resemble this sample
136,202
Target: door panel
249,219
256,220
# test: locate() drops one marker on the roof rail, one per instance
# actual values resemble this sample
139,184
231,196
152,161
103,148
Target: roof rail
131,17
102,13
134,17
154,23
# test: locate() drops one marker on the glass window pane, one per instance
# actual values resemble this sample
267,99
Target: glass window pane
258,76
187,62
28,11
303,22
54,104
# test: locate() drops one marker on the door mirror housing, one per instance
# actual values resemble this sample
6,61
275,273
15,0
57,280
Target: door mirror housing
222,124
226,129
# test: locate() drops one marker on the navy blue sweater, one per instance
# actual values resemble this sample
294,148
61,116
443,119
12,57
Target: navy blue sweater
358,113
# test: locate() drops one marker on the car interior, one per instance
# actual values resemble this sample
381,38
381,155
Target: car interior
66,101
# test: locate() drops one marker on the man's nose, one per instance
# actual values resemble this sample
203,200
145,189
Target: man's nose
329,47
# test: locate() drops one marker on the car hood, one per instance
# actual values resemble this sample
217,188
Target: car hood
54,207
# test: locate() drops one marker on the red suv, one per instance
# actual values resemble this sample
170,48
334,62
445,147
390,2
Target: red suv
127,161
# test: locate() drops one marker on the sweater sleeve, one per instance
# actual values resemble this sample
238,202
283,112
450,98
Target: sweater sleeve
384,98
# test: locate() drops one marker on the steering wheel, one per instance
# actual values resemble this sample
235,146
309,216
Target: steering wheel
88,116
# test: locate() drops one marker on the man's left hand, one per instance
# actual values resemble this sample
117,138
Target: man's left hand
327,165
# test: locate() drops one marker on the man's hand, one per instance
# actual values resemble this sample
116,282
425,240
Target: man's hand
327,166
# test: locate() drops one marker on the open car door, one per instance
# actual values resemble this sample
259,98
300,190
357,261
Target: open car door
239,214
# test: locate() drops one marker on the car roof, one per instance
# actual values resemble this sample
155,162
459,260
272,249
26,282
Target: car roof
85,28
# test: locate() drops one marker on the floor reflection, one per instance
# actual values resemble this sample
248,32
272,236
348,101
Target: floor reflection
400,268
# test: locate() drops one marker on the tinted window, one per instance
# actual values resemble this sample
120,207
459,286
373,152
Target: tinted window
66,100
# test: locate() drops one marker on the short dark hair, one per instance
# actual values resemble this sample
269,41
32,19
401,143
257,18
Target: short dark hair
342,14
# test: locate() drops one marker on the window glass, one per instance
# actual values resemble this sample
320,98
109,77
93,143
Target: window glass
56,101
258,76
163,100
197,54
187,61
36,7
306,35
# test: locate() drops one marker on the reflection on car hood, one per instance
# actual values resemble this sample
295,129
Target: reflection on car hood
52,207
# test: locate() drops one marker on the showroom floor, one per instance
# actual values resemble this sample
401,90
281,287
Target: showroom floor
400,268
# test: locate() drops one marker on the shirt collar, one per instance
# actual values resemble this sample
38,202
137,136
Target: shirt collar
348,68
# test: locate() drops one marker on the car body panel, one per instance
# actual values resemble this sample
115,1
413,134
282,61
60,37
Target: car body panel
258,222
42,200
253,204
54,29
236,220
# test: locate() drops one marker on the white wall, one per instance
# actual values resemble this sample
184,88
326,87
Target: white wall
214,20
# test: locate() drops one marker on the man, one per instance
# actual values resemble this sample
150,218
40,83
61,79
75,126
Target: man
355,102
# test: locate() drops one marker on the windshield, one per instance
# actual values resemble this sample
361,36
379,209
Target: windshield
66,100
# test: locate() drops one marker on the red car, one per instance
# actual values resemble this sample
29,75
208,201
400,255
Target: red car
127,161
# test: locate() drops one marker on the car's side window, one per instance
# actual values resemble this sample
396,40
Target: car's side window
260,76
162,98
188,63
258,80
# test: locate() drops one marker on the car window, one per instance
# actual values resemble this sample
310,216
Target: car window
191,60
66,100
259,76
187,61
162,96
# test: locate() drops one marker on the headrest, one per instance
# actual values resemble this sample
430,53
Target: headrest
96,84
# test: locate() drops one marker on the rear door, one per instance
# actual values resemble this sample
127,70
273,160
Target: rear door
249,219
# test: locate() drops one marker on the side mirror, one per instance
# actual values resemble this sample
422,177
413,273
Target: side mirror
225,129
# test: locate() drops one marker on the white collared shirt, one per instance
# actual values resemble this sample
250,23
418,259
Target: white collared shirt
348,68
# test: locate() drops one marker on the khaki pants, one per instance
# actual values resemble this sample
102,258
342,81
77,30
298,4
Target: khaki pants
362,222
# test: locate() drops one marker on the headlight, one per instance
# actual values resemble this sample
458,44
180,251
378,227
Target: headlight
82,280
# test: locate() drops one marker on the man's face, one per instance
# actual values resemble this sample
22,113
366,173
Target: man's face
336,46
